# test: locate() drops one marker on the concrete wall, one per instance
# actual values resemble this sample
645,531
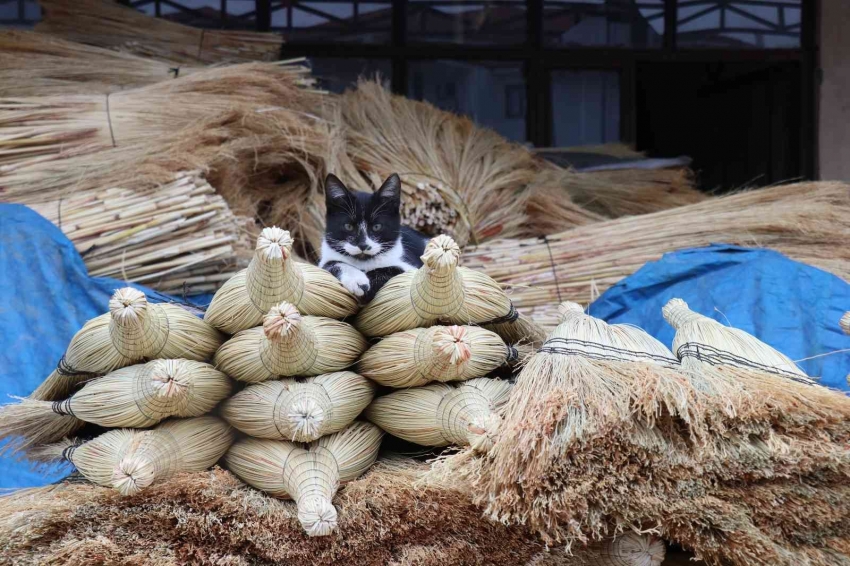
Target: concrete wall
834,135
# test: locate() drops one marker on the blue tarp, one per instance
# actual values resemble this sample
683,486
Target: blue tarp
791,306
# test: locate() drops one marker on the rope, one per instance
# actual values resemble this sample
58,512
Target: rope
513,355
68,452
109,121
510,317
63,408
576,347
715,357
62,368
554,271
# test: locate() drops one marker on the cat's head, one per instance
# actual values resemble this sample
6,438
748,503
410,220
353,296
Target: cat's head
362,225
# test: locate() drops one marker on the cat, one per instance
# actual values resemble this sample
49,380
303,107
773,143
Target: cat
365,244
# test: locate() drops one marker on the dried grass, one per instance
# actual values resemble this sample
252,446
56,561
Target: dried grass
845,323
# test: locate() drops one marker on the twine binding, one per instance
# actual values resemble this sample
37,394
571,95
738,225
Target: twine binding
554,271
63,408
715,357
602,352
64,369
512,315
109,121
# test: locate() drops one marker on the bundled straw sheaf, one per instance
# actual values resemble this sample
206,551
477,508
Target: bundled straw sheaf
131,460
110,25
272,277
299,411
37,64
845,322
441,414
138,396
311,477
290,345
440,353
801,220
442,292
133,330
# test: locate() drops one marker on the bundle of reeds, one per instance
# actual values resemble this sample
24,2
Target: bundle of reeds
272,277
130,460
441,414
802,221
630,549
138,396
288,345
132,330
441,353
311,477
442,292
107,24
37,64
170,237
299,411
845,322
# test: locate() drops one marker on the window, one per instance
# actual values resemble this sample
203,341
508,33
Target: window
483,23
336,75
19,13
322,21
629,23
585,107
764,24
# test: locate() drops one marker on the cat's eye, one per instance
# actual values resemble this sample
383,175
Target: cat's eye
376,227
348,227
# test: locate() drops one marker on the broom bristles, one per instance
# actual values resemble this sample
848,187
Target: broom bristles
845,322
30,423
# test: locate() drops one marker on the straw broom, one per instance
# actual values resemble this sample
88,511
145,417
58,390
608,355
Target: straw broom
138,396
441,414
442,292
299,411
630,549
36,64
800,220
106,24
272,277
311,477
290,345
441,353
130,460
132,330
845,322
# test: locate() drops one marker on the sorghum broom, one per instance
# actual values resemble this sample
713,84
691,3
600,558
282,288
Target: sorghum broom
311,477
442,292
441,353
138,396
130,460
272,277
290,345
299,411
845,322
630,549
441,414
133,330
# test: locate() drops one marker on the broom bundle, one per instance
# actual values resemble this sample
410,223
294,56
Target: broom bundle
106,24
441,414
845,322
138,396
132,330
441,353
630,549
36,64
290,345
442,292
180,233
800,220
299,411
130,460
272,277
311,477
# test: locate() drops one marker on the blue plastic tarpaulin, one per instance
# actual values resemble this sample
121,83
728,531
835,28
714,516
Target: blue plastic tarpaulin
792,306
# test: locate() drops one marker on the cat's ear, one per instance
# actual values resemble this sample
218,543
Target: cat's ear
335,192
391,189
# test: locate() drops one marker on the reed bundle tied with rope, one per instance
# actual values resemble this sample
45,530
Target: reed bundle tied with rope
129,460
39,129
845,322
442,292
289,345
440,414
630,549
801,220
273,276
37,64
441,353
133,330
170,236
137,396
110,25
302,410
311,477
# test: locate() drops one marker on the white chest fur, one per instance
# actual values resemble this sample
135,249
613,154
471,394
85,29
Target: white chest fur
393,257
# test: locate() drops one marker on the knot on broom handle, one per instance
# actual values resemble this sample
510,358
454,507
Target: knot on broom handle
281,321
128,307
132,475
452,342
677,313
482,432
441,255
317,515
568,310
274,245
169,378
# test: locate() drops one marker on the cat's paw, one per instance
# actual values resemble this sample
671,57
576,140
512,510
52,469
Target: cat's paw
355,281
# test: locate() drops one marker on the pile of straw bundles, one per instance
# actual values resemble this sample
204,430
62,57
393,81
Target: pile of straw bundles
107,24
605,431
801,220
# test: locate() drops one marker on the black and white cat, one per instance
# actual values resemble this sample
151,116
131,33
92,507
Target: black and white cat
365,244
